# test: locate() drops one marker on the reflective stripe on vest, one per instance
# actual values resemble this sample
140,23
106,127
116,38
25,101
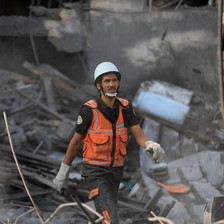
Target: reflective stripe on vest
102,163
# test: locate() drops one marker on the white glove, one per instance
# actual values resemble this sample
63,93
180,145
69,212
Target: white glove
62,177
155,150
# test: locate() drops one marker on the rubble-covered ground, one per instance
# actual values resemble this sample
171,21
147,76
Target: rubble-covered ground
41,108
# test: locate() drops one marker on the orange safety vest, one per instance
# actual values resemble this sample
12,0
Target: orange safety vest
105,143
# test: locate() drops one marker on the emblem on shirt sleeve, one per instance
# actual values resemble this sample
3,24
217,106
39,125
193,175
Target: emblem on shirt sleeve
79,120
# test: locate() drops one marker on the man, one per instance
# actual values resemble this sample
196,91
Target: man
102,125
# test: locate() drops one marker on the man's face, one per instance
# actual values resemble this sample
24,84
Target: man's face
110,83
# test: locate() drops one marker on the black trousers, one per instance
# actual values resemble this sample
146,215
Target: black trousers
104,189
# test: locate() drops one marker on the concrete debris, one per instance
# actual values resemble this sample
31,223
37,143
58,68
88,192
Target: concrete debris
191,164
217,209
159,172
205,190
192,173
65,131
38,10
169,139
66,34
42,108
188,147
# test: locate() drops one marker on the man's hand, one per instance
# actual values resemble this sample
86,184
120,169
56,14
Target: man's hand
155,150
62,177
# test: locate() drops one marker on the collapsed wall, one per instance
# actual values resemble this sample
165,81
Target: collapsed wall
178,45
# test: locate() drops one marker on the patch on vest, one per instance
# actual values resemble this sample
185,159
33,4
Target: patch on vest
79,120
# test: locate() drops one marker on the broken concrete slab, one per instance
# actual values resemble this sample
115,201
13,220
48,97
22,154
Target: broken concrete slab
15,26
65,131
205,190
188,147
18,136
159,172
179,213
49,92
168,140
204,159
138,191
188,198
211,164
196,210
68,33
192,173
152,128
146,161
150,184
39,134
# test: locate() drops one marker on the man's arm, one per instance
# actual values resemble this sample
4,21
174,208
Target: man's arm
62,177
73,148
151,147
139,135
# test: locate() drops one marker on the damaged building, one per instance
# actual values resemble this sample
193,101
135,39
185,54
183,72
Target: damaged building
170,56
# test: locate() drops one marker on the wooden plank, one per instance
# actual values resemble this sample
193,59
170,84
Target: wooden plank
219,55
20,109
22,195
7,75
23,78
190,133
25,155
8,175
49,93
69,92
54,123
31,68
47,70
131,206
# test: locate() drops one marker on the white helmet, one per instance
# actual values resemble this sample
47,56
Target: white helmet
105,67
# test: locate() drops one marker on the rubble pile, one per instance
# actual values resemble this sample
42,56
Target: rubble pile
41,107
193,171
